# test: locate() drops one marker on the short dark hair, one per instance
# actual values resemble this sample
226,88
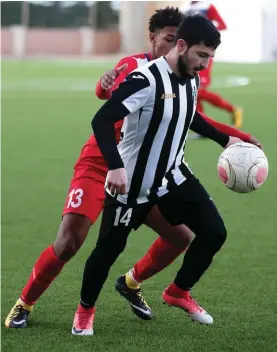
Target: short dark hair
167,17
197,29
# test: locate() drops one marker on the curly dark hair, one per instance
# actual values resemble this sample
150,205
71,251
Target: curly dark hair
167,17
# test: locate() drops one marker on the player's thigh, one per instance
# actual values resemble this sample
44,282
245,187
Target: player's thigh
115,227
179,235
85,197
118,220
190,204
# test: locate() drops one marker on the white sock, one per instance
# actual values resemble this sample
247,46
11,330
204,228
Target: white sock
131,273
22,302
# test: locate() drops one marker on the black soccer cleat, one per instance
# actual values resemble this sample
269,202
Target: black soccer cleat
18,316
138,304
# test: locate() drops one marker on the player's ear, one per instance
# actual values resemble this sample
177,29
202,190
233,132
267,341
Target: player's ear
182,46
152,37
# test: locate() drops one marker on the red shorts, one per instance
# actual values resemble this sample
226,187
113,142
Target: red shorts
86,192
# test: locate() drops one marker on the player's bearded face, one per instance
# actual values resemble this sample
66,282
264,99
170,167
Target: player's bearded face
194,59
188,65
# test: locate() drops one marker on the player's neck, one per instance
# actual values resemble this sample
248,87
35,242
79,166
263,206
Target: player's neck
172,63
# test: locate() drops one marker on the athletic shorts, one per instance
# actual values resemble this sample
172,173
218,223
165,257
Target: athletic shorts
126,217
86,192
190,204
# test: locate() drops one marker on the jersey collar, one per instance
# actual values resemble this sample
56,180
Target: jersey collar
148,56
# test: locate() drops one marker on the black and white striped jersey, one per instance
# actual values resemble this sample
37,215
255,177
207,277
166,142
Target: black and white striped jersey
155,131
159,107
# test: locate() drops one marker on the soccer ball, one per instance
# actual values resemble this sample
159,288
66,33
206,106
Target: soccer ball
242,167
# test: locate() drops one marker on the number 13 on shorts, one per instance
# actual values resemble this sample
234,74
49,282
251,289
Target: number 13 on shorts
75,198
123,217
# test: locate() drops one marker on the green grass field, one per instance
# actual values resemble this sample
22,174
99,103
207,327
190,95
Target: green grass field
46,113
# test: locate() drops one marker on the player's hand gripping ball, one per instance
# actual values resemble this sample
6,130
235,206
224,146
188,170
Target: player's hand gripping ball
242,167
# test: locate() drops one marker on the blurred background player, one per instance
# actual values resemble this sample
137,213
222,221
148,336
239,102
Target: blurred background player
204,94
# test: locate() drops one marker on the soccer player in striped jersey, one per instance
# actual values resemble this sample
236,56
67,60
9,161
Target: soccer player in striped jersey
158,102
162,252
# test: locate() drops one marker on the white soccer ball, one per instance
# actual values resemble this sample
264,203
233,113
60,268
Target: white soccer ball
242,167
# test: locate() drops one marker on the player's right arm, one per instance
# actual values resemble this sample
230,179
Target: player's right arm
112,78
130,96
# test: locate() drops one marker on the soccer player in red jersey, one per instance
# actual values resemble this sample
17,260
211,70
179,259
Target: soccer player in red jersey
204,94
86,196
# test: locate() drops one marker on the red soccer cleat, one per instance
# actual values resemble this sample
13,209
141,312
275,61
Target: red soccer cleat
174,296
83,321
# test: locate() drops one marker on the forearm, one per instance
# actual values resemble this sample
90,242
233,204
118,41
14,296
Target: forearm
103,127
229,130
199,125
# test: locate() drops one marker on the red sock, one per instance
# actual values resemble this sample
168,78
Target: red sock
215,99
45,270
159,256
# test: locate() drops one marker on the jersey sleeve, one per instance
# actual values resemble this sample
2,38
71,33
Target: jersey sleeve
133,92
105,94
130,96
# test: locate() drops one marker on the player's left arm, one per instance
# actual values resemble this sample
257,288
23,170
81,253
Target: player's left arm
227,129
201,126
213,15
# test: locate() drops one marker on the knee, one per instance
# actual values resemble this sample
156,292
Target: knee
219,236
181,237
68,242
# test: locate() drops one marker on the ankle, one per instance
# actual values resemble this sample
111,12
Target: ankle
176,291
82,306
131,281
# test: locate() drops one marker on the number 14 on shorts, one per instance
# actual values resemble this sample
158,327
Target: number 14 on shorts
123,217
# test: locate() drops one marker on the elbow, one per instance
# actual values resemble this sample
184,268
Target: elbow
92,124
100,92
100,95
